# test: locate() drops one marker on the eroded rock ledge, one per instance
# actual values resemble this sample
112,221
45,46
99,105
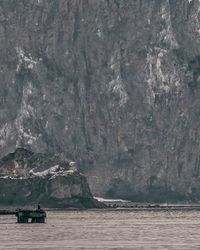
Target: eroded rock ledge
27,178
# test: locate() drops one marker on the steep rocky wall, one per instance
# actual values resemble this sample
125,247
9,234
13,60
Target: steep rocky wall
27,178
112,84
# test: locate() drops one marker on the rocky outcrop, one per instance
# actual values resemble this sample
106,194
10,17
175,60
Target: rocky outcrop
111,84
27,179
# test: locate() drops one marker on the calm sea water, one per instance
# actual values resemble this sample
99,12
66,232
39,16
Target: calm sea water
104,229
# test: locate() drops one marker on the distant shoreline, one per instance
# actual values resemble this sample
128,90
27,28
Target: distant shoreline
113,205
151,208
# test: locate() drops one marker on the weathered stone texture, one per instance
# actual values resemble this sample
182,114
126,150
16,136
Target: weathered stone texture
111,84
29,179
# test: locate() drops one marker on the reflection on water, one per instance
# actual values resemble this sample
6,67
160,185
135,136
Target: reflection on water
105,229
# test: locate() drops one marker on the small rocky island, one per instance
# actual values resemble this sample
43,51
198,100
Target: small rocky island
28,178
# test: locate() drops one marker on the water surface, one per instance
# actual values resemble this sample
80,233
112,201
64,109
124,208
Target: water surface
104,229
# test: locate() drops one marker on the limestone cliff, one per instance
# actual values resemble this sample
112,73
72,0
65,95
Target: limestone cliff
111,84
29,179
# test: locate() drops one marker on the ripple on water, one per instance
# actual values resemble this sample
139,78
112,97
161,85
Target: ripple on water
104,229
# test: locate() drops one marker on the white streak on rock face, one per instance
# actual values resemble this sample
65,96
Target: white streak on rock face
26,109
54,171
26,112
116,86
99,33
6,133
167,34
195,19
47,124
51,170
16,165
26,61
161,78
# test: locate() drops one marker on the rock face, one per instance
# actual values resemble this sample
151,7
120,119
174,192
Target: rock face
29,179
111,84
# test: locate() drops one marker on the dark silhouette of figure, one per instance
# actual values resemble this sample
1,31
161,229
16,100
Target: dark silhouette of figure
38,207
